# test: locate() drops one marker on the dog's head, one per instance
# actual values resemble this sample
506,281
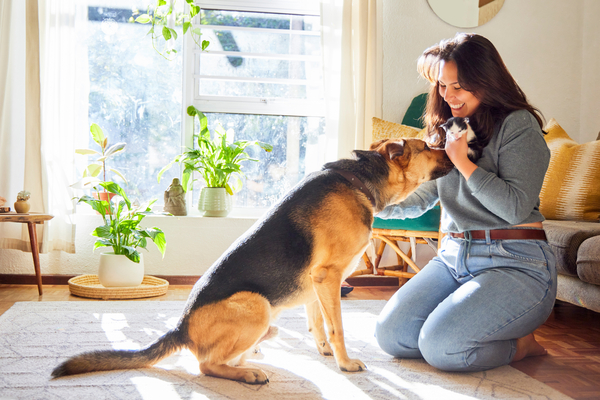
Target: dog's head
411,162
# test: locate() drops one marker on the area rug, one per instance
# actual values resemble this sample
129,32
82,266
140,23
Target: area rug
35,337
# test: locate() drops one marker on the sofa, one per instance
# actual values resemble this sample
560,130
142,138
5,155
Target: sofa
570,202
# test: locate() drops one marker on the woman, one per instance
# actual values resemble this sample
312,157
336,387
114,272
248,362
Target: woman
475,305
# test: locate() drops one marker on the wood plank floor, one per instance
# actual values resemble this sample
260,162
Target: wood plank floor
571,335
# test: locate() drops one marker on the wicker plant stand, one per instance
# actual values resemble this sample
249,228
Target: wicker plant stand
89,286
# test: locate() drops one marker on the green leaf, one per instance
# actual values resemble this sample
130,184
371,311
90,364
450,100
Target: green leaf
203,123
85,152
116,189
205,44
162,3
165,168
158,237
114,149
102,243
92,170
119,174
97,134
186,26
133,256
174,36
166,32
143,19
103,231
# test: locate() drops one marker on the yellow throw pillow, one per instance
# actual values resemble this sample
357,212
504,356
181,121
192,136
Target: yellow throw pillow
390,130
571,189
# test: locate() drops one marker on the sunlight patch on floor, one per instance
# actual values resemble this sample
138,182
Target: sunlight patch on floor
423,390
331,384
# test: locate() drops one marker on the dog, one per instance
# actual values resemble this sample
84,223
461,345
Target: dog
297,254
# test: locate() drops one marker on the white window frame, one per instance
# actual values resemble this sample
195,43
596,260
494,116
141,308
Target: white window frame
245,105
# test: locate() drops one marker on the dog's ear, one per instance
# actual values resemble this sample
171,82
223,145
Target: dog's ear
394,149
376,144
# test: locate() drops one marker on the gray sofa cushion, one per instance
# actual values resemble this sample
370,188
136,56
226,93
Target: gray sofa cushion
588,261
565,237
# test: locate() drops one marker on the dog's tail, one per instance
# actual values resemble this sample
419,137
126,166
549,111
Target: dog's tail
108,360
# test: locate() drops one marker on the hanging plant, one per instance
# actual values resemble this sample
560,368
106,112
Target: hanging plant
163,17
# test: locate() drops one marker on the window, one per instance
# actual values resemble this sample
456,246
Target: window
135,96
261,77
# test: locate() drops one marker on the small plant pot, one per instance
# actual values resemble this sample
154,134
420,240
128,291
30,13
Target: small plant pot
215,202
106,196
117,270
22,206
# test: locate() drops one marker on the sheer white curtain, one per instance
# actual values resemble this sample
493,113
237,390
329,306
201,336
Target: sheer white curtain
64,92
353,78
55,118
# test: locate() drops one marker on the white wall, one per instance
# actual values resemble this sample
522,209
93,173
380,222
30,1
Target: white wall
551,47
193,244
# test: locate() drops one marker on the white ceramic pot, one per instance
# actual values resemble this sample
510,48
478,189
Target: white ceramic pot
215,202
117,270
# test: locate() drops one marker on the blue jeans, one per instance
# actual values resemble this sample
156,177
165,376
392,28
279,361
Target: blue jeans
467,306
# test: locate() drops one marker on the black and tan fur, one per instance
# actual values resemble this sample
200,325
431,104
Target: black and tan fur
298,254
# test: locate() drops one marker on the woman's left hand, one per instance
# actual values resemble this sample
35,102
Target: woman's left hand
458,152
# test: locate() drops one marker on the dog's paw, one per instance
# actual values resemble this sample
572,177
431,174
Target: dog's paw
255,377
324,349
354,365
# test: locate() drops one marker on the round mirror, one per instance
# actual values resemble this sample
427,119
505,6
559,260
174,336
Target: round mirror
466,13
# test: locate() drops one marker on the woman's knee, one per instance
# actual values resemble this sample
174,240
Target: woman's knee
396,342
442,355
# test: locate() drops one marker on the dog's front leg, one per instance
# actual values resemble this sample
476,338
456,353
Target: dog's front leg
326,283
315,326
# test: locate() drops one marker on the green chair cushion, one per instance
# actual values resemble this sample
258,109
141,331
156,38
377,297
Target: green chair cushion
415,112
430,221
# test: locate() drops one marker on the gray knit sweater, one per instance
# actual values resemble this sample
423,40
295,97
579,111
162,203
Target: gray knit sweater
503,191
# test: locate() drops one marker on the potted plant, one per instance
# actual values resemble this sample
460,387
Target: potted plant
121,230
219,162
92,173
22,205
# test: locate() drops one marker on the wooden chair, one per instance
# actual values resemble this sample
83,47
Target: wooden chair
422,230
415,231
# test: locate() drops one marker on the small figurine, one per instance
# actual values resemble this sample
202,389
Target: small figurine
175,199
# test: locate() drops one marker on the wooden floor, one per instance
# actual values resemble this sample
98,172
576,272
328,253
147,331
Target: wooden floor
571,335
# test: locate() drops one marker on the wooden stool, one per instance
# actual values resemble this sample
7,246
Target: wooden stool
31,219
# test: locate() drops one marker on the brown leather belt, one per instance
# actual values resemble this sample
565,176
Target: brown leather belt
506,234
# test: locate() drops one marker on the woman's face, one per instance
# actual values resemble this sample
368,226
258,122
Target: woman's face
462,102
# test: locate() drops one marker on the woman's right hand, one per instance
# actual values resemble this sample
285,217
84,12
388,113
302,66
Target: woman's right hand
458,152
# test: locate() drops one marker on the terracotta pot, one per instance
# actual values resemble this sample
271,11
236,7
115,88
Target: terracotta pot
215,202
106,196
117,270
22,206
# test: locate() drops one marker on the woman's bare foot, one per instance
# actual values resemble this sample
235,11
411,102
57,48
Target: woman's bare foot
527,346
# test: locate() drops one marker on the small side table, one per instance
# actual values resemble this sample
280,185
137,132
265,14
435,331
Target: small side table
30,219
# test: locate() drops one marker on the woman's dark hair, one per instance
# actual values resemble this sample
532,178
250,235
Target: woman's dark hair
482,72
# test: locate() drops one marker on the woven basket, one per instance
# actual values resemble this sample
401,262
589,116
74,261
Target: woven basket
89,286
